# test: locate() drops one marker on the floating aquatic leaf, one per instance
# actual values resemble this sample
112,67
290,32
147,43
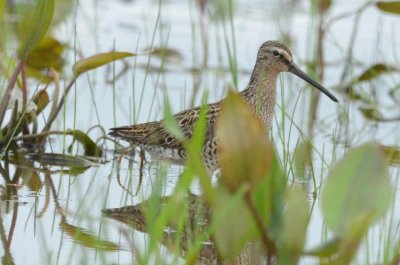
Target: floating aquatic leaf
46,54
167,53
392,7
98,60
392,154
90,147
357,185
371,113
86,239
295,223
375,71
233,224
243,157
52,159
35,25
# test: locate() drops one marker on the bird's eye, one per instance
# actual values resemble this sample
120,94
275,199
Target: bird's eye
276,53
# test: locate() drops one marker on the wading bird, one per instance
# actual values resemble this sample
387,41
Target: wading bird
273,57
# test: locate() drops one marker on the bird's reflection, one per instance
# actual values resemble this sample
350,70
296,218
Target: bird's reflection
199,219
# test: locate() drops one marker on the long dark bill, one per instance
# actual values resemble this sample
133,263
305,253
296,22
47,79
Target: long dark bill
294,69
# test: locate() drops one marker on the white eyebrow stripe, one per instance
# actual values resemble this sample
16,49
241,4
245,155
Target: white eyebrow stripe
285,54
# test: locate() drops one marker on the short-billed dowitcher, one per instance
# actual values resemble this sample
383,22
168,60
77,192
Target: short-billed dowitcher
273,57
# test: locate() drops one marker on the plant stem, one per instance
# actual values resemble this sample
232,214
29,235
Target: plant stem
10,86
60,105
268,243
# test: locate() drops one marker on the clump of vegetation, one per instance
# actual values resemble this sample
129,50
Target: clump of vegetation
40,56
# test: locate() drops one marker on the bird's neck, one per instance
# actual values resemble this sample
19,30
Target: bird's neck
261,93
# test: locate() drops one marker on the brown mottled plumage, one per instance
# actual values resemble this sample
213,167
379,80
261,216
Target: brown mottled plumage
273,57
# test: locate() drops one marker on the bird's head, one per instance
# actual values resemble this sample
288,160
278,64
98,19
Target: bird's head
277,57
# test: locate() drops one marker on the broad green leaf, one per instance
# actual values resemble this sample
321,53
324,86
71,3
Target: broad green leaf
375,71
392,7
358,185
2,8
245,154
35,25
269,198
51,159
86,239
98,60
295,223
47,54
352,239
42,77
90,147
233,225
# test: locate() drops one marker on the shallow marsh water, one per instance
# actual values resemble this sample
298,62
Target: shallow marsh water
40,235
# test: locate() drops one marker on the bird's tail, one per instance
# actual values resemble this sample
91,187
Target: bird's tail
120,132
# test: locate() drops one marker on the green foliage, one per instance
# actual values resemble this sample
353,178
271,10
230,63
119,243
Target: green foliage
295,224
233,225
34,26
2,7
358,186
242,159
392,7
90,147
98,60
62,160
86,239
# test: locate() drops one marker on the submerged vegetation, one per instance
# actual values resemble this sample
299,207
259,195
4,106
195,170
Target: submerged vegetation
261,208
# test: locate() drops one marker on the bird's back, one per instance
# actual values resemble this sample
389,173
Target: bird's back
154,138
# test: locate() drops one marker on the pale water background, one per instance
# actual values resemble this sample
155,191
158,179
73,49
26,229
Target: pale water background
128,26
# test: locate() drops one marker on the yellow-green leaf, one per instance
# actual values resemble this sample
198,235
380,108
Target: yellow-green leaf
245,154
35,26
375,71
326,249
52,159
98,60
47,54
90,147
233,225
2,7
358,185
392,7
86,239
295,223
